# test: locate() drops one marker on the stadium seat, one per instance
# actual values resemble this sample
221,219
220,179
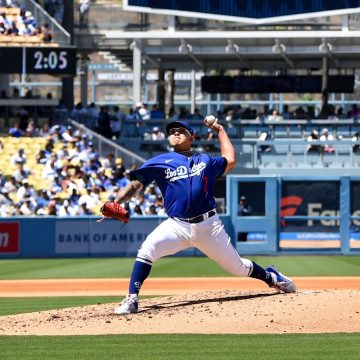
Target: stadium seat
313,159
281,131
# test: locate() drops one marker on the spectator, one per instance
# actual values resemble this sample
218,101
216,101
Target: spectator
52,208
92,116
157,134
286,114
15,131
275,116
21,173
137,210
300,113
67,135
314,136
325,136
87,200
44,131
116,123
340,114
355,112
10,186
105,122
84,12
2,179
152,210
5,21
83,210
197,115
109,161
46,34
31,130
73,198
20,157
144,112
244,210
27,208
264,136
77,111
156,113
66,210
356,147
42,198
13,30
2,27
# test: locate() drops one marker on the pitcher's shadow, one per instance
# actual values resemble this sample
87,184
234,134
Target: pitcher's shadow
181,304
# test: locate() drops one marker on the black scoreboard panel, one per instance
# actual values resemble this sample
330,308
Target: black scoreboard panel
275,84
42,60
257,9
10,60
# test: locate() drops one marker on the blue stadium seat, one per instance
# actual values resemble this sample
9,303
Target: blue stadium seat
249,131
295,131
281,131
343,130
313,159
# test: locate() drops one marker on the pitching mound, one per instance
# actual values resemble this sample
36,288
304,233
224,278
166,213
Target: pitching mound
239,312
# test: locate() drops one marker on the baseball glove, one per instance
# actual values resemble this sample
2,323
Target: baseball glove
115,211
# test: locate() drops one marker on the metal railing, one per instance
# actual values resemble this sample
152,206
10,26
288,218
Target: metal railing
105,146
60,35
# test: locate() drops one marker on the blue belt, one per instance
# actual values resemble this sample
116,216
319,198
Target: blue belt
199,218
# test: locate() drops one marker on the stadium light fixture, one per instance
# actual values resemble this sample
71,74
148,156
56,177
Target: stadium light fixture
234,49
327,48
187,49
280,48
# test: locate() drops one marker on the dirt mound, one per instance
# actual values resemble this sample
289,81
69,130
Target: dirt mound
237,312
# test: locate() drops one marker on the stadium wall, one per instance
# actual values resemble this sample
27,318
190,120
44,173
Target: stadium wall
311,215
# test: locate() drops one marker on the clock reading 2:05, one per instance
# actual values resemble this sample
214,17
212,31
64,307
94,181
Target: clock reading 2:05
61,61
52,61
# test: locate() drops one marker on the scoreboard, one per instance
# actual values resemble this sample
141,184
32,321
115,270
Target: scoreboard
42,60
254,9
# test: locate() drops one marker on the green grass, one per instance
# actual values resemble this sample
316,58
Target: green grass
12,306
171,267
189,346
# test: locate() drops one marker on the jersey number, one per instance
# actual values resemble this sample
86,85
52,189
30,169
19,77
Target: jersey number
205,179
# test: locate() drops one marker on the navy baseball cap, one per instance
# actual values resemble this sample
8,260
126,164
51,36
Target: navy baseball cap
178,124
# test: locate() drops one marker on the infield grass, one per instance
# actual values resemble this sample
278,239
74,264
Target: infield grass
172,267
183,347
12,306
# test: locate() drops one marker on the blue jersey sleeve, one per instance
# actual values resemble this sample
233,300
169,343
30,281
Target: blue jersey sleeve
219,165
147,173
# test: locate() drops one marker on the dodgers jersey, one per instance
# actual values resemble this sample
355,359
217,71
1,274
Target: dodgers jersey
186,183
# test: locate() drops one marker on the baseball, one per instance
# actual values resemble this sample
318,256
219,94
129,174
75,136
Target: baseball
210,119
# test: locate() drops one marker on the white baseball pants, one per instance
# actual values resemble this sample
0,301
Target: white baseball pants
209,236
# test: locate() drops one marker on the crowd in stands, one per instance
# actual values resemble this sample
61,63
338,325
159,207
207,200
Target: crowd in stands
76,180
21,22
65,177
110,122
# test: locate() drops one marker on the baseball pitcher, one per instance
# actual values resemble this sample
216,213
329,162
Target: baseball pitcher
186,181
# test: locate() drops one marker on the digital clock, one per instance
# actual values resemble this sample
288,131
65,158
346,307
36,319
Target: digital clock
61,61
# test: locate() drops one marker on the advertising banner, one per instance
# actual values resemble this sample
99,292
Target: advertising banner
9,238
90,237
310,198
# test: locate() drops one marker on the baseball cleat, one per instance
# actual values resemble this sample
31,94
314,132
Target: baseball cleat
129,305
281,283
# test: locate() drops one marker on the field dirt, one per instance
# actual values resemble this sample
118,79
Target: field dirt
193,305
